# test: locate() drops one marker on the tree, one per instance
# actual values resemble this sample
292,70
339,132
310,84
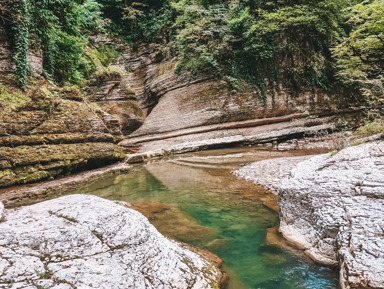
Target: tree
360,56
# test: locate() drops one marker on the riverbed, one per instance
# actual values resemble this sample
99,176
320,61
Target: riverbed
196,199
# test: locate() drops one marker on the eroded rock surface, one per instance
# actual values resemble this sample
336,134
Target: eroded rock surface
332,206
264,135
59,137
172,101
112,93
83,241
269,173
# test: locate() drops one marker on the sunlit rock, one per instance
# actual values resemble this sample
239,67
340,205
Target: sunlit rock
331,206
1,211
88,242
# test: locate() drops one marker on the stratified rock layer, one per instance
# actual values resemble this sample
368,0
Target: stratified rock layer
35,60
173,102
27,164
112,94
83,241
332,206
39,143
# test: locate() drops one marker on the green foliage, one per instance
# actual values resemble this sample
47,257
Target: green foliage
263,43
371,127
61,28
200,38
21,41
57,28
10,101
138,21
105,53
360,56
301,44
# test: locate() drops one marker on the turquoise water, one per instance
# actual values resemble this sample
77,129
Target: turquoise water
210,208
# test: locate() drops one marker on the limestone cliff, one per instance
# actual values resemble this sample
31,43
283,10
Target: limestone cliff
173,101
44,135
176,104
139,96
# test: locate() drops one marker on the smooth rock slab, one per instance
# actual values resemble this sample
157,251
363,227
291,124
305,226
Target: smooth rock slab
81,241
332,206
269,173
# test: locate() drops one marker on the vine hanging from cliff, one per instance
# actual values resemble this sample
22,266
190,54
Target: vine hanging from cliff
21,41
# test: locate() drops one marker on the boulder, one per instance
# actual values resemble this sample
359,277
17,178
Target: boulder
81,241
333,206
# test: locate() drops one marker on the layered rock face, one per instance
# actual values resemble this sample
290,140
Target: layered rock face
64,136
83,241
332,207
7,64
172,102
111,93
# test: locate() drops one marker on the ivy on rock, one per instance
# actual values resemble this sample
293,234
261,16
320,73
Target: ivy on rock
21,40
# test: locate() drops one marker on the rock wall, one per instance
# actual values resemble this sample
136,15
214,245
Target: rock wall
59,137
7,65
83,241
111,93
172,102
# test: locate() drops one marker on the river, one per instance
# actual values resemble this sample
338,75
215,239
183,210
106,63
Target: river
196,199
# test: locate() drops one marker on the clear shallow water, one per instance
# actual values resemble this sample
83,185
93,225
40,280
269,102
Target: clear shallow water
211,209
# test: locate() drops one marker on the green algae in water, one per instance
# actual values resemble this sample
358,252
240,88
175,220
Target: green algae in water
238,227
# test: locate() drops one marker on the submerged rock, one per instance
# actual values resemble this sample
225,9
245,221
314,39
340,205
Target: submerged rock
31,194
332,206
83,241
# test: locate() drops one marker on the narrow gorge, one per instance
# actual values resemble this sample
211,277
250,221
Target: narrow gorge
191,144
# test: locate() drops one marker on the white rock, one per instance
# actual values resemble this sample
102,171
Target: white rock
270,172
89,242
332,206
2,213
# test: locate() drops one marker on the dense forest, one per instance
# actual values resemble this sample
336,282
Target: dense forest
327,44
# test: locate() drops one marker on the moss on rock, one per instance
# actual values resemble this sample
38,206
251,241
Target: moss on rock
36,163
